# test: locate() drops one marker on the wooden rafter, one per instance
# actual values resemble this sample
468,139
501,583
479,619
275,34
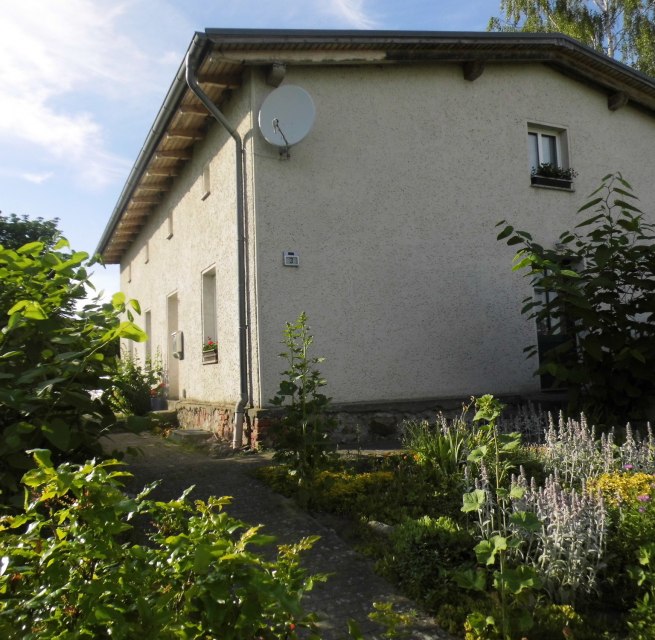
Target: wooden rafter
176,154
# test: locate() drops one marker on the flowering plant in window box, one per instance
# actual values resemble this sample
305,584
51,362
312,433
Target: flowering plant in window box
550,175
209,351
209,345
159,391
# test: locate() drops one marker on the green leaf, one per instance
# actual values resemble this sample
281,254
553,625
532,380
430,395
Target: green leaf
474,500
486,550
590,204
130,331
526,520
626,205
471,579
118,299
507,231
59,435
31,247
478,454
42,457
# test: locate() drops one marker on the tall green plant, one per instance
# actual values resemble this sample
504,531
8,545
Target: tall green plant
53,354
604,306
302,437
513,587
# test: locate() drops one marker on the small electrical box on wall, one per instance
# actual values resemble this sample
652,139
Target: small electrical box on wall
177,345
291,259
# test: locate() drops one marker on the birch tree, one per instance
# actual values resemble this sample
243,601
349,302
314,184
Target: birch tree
622,29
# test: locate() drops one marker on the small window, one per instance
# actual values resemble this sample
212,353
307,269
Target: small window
544,149
129,271
548,157
209,321
169,233
146,253
206,190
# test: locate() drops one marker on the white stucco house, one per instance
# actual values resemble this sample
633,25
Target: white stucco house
420,144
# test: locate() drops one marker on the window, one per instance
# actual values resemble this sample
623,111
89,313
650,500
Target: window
169,233
206,190
209,323
543,148
549,146
146,252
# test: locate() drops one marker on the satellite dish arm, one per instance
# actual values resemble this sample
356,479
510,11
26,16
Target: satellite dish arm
277,129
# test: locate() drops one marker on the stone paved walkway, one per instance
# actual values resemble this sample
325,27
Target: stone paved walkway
353,585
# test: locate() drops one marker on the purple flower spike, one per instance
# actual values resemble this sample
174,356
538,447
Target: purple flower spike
644,497
628,467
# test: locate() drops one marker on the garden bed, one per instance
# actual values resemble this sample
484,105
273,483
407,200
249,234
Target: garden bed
502,536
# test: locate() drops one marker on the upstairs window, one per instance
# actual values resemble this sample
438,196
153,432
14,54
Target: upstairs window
544,148
548,157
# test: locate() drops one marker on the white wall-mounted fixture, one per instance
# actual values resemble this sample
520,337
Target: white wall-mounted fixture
177,341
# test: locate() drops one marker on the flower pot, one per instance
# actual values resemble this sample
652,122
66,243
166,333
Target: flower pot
209,357
548,181
158,404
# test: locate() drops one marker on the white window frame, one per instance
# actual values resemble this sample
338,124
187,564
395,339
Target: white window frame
169,231
561,143
206,182
209,306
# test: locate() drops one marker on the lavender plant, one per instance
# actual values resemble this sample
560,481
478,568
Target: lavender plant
577,455
567,548
574,453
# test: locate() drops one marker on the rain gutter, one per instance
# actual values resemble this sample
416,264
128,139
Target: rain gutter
190,63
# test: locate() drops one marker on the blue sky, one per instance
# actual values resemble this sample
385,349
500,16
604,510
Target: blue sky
82,80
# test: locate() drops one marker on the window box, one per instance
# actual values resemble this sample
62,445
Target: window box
210,357
548,181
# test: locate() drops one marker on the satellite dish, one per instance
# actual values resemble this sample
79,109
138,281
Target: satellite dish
286,116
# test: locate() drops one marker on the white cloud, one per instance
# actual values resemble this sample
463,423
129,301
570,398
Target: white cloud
58,60
37,178
352,12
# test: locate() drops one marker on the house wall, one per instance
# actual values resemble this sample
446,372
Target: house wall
204,236
392,201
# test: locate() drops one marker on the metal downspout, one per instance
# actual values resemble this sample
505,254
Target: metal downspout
237,436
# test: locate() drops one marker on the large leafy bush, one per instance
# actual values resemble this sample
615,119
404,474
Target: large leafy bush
600,280
70,565
55,350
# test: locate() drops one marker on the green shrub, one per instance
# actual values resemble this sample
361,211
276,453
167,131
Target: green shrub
133,385
423,553
52,356
70,567
354,494
641,619
602,279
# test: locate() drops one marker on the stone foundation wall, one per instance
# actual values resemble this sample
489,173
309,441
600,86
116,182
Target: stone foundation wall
214,418
355,424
